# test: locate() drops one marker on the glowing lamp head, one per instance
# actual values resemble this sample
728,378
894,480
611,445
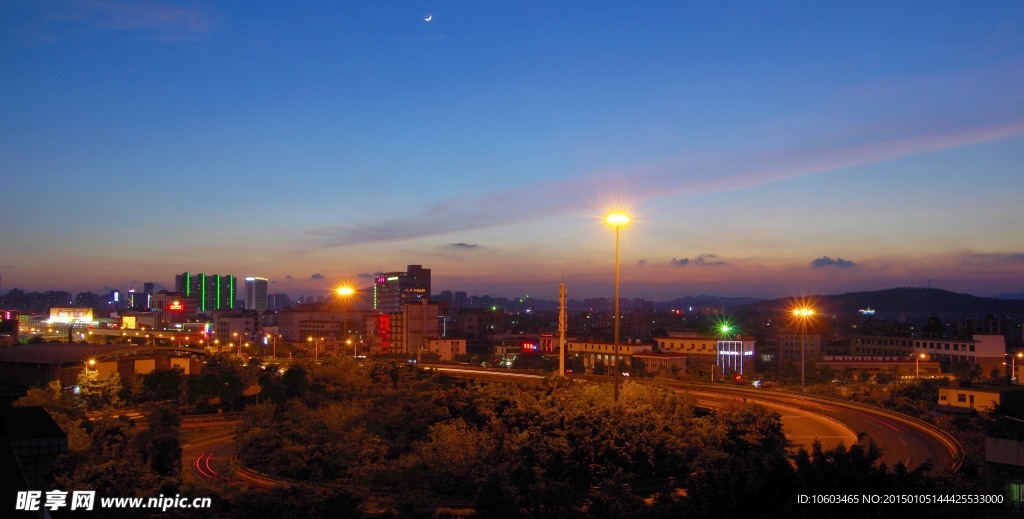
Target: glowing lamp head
803,312
92,362
617,219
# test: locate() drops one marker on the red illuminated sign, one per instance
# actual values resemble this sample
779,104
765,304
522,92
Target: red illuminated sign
176,306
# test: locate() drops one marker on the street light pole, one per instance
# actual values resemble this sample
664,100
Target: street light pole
1013,366
803,313
273,337
345,293
803,353
616,220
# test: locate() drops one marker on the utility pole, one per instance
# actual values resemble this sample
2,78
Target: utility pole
562,325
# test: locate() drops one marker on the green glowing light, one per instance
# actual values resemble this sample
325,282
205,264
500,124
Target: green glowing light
725,328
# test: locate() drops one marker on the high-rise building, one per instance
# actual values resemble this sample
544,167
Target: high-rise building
212,291
392,289
415,325
148,289
276,302
256,294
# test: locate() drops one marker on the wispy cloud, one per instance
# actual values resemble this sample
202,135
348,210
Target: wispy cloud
993,257
704,259
161,19
931,123
317,276
461,245
826,261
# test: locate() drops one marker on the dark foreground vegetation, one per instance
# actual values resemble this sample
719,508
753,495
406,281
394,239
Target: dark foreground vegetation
389,439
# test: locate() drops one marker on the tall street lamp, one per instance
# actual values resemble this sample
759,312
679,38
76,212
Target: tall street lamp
803,314
616,220
273,337
1013,365
917,364
345,293
316,349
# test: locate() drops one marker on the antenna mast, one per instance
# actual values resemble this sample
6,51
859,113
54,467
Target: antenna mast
562,325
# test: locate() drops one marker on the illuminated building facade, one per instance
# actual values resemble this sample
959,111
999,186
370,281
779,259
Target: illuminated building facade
605,353
256,294
407,331
789,345
411,328
331,325
987,350
212,291
236,329
447,350
727,355
391,290
173,308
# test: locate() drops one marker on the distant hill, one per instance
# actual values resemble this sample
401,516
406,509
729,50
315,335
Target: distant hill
705,300
903,300
1018,295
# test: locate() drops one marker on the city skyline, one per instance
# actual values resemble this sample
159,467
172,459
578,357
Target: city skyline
762,150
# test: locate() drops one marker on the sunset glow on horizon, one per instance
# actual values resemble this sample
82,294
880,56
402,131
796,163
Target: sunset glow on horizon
764,150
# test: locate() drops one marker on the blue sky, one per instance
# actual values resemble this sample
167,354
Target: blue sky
763,149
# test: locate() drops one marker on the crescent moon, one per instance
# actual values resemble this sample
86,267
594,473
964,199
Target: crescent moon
428,18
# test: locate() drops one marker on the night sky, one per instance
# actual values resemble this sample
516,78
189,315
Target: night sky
762,148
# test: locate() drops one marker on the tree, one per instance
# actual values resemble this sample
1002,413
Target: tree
162,385
63,411
162,452
271,388
94,393
220,379
454,460
295,381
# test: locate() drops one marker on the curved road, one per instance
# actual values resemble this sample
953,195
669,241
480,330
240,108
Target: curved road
802,426
205,453
901,439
